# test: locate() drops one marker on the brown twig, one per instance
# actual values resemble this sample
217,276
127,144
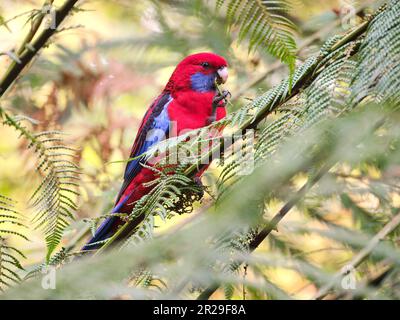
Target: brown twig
362,255
34,28
373,281
26,57
269,227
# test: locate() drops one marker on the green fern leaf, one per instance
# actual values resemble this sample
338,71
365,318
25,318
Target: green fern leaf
10,264
55,197
265,24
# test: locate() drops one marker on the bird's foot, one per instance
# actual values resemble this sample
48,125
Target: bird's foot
220,96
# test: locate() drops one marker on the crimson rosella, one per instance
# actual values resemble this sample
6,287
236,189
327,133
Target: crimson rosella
190,100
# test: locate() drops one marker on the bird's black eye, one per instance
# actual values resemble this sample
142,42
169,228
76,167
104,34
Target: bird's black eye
205,65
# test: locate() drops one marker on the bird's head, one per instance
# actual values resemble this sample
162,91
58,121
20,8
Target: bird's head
198,72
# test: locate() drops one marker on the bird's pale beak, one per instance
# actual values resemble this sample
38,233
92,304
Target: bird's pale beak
222,74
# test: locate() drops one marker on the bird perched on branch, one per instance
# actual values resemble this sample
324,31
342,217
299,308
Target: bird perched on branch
190,100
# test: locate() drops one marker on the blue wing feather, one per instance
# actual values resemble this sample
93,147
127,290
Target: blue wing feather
156,133
154,129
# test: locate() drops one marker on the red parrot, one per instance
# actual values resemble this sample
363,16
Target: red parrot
190,100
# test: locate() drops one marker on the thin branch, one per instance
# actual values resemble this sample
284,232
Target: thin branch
269,227
373,281
34,28
17,67
362,255
288,206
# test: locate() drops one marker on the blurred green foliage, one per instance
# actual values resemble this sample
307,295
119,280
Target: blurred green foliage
95,81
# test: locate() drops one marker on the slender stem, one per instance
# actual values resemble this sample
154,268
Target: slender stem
81,235
288,206
16,68
270,226
362,255
9,120
34,28
373,281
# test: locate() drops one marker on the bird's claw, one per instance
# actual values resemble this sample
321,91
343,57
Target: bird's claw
220,96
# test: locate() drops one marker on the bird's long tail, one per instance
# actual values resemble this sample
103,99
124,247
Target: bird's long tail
106,230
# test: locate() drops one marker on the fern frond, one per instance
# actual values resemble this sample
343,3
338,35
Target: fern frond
265,24
229,289
378,72
324,97
56,260
172,193
55,197
10,217
94,222
10,256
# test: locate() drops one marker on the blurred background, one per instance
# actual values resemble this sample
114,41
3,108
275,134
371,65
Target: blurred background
100,73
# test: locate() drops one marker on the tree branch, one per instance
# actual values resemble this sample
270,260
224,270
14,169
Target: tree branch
373,281
27,55
269,227
362,255
34,28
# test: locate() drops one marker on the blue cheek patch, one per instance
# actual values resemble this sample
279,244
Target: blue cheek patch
202,82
